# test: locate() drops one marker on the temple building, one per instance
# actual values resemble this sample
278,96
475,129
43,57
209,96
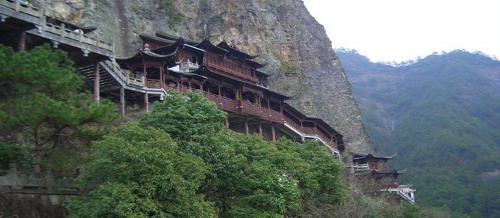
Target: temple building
230,78
376,167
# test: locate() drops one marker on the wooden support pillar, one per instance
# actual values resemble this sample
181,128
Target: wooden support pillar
219,89
260,128
273,132
162,80
145,73
226,122
97,83
122,101
22,41
246,127
146,102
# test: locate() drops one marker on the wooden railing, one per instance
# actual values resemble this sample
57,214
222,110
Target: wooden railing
21,11
23,8
77,36
230,105
250,108
153,83
293,124
232,72
309,130
15,179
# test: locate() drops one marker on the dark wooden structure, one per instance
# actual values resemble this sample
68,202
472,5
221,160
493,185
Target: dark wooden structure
232,80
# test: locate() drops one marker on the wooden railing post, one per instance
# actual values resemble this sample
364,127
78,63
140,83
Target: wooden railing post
63,30
17,5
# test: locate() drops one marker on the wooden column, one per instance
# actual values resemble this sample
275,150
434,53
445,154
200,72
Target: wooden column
22,41
146,102
162,80
97,83
218,87
122,101
273,132
226,122
145,73
246,127
260,128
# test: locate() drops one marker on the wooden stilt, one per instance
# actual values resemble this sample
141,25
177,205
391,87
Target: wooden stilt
260,128
246,127
122,101
97,82
146,102
273,132
226,122
22,41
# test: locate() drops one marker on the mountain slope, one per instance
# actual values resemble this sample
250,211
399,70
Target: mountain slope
441,115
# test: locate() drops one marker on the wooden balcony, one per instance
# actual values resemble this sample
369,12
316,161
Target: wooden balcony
230,105
250,108
227,104
153,83
293,124
232,72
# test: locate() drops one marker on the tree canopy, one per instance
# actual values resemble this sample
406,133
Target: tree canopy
233,175
42,101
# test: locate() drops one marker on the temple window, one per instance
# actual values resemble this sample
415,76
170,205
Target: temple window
171,83
274,106
153,73
308,124
248,96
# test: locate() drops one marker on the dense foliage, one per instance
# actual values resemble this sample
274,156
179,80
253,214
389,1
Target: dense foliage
182,161
42,106
441,116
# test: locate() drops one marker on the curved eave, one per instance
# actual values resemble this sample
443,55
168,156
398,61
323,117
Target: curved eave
147,37
146,55
167,36
254,63
192,73
223,44
207,45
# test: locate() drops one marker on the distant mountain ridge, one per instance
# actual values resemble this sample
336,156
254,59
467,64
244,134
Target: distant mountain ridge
441,115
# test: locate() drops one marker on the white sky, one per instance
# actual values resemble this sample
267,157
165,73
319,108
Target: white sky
399,30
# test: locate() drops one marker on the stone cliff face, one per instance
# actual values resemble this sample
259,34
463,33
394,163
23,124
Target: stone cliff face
284,34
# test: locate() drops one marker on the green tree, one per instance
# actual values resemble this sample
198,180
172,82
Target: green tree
246,175
140,172
42,101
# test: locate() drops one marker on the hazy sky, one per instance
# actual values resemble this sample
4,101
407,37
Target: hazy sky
387,30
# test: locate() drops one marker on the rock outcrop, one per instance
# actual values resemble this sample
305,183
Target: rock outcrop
282,32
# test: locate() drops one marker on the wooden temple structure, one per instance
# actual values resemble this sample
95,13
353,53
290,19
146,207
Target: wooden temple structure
230,78
376,166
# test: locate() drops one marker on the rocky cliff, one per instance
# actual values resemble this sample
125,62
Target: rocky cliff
282,32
